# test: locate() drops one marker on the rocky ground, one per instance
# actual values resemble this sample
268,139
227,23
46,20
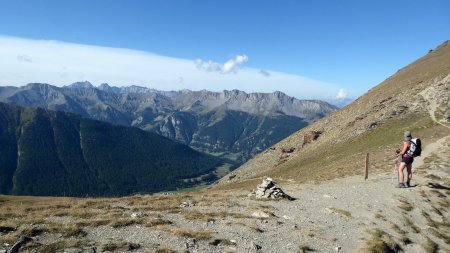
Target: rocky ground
344,215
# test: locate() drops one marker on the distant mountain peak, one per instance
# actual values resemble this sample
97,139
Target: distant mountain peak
230,121
81,85
104,85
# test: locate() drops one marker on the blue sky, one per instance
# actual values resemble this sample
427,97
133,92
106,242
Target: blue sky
333,45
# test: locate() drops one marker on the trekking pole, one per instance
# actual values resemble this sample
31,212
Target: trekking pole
395,168
397,164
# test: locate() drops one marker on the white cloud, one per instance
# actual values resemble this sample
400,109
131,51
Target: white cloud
58,63
341,94
231,66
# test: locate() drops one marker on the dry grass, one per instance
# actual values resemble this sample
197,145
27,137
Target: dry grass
251,226
430,246
158,221
437,211
93,223
444,203
123,222
438,194
397,229
380,216
411,224
303,248
57,246
341,211
199,235
405,240
423,194
28,230
164,249
65,230
346,158
405,205
211,216
440,230
433,177
380,242
116,246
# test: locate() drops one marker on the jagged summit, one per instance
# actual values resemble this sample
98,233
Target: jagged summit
233,123
81,85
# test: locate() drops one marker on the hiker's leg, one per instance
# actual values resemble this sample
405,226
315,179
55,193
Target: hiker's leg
409,170
401,167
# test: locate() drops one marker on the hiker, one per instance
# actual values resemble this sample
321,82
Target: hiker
407,160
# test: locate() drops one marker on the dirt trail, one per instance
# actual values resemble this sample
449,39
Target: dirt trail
430,94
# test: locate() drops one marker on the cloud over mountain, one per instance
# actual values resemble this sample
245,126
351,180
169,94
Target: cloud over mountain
342,94
24,60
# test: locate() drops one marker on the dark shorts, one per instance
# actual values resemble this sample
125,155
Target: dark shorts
408,160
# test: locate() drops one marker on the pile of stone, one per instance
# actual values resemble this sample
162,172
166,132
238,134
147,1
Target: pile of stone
186,204
269,189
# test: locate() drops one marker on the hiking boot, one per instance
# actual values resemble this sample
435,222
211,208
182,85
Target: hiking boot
408,184
401,185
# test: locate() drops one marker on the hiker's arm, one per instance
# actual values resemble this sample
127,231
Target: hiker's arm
405,148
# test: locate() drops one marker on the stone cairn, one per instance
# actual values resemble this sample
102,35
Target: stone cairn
269,189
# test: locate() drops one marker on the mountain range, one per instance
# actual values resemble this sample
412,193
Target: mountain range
53,153
231,124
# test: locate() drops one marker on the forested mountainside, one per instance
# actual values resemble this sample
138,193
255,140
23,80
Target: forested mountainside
45,152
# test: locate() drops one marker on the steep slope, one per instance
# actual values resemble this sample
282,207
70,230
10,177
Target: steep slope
416,98
190,117
54,153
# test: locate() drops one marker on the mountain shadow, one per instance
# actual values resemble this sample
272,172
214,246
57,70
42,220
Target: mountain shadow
44,152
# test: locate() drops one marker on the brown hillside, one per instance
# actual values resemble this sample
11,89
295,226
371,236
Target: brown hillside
416,98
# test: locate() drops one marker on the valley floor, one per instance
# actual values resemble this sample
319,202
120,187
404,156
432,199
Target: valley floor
344,215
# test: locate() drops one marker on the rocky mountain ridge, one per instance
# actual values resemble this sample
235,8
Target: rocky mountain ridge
233,123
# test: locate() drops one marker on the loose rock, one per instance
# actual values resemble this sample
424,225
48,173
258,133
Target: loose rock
260,214
137,215
191,244
269,189
186,204
256,247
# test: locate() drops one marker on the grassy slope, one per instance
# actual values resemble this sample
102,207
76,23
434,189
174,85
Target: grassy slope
393,106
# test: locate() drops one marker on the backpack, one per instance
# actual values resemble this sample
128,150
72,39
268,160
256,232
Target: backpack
415,149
